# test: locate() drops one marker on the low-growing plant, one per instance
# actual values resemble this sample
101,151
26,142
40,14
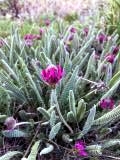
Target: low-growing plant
61,92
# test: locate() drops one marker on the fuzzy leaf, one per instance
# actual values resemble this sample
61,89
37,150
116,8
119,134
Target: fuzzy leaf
66,138
10,155
70,117
114,79
52,119
89,122
2,118
95,150
112,90
81,110
54,131
34,151
14,133
69,86
111,143
72,103
109,117
47,150
44,112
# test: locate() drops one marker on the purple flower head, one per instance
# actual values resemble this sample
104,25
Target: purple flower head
110,58
10,123
47,22
29,38
86,30
71,37
80,148
37,37
115,50
52,74
102,38
73,30
41,31
106,103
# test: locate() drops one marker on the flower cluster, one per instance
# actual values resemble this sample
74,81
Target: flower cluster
85,31
29,38
52,74
111,57
10,123
106,103
102,38
67,43
47,22
80,149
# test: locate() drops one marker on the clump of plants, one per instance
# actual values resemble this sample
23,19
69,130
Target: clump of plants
60,94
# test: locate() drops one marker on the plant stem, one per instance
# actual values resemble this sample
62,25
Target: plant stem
32,141
112,157
89,81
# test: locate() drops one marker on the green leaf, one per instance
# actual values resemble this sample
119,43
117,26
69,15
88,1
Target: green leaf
89,122
34,151
69,86
44,112
14,133
95,150
68,64
47,150
2,118
52,119
54,131
81,110
10,155
108,117
66,138
111,143
72,103
8,69
114,79
70,117
82,50
111,91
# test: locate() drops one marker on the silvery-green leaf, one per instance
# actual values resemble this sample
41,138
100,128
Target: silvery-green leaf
54,131
47,150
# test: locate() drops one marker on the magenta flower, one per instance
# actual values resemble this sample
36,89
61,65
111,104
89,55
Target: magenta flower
73,30
110,58
29,38
47,22
52,74
80,148
71,37
41,31
102,38
106,103
10,123
115,50
37,37
86,30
